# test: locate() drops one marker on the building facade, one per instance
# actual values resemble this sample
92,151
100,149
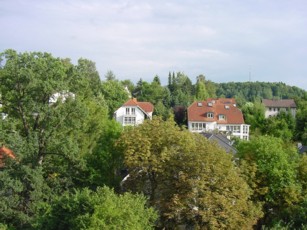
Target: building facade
133,112
220,115
274,107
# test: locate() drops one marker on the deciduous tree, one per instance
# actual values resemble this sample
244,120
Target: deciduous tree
191,181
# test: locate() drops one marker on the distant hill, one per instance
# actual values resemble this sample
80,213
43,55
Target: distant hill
252,91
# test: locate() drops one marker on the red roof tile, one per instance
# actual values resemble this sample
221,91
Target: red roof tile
4,153
146,106
284,103
199,110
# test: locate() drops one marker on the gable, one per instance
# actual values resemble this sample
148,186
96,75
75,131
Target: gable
145,106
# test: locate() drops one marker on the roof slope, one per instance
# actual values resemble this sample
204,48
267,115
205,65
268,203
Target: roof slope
5,153
199,110
146,106
222,141
283,103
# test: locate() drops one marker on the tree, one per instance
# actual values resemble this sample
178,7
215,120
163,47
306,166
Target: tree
201,93
254,115
301,120
103,209
191,181
282,125
110,76
88,76
28,81
114,94
104,161
23,193
269,165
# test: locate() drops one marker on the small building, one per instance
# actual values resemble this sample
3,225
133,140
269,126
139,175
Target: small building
221,115
133,112
274,107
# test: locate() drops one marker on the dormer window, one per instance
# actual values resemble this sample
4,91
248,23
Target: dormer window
210,115
199,104
222,117
210,104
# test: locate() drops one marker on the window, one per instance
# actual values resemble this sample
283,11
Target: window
233,128
199,104
222,117
210,115
198,126
133,111
129,120
127,111
245,129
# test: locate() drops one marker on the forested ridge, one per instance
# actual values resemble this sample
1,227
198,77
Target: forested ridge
76,168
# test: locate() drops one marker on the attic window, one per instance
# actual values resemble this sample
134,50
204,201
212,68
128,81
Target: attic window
199,104
210,104
210,115
222,117
226,106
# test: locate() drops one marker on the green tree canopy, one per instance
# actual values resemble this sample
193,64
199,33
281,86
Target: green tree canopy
269,165
191,181
103,209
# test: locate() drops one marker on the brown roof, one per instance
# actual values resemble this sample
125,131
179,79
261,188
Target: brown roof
4,153
223,106
146,106
284,103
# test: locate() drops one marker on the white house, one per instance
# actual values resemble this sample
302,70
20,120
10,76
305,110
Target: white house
134,112
63,96
220,115
273,107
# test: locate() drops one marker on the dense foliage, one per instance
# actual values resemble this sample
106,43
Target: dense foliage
192,182
76,168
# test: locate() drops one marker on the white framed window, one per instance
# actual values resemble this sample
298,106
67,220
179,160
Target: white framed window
210,115
132,111
245,129
222,117
233,128
129,120
198,126
128,111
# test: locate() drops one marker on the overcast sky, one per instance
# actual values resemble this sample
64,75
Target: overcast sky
238,40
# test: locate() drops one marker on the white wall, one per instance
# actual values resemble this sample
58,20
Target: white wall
121,113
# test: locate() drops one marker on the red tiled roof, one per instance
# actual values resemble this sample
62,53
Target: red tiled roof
146,106
284,103
223,106
5,152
